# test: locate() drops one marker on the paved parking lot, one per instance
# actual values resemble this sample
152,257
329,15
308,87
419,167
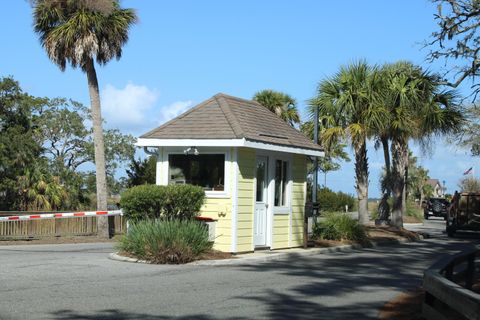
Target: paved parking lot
78,281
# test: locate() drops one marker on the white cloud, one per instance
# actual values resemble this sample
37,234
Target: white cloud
132,109
172,110
127,109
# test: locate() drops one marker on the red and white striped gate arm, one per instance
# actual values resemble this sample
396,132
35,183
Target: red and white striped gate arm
63,215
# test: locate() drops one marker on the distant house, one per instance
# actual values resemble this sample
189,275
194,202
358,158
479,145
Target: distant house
438,189
251,163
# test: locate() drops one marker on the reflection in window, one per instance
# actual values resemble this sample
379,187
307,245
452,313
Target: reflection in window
205,170
261,173
280,183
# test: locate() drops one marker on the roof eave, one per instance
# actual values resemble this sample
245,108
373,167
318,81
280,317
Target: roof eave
148,142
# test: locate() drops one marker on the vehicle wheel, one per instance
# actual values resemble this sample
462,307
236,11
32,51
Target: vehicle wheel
425,216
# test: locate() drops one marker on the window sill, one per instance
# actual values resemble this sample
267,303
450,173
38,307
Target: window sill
217,195
281,210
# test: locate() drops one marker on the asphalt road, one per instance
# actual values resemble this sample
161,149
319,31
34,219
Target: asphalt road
80,282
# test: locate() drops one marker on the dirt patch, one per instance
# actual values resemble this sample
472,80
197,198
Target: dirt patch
379,233
216,255
374,234
323,243
405,306
56,240
210,255
410,219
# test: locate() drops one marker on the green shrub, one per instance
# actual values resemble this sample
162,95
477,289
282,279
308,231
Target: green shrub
414,210
166,241
166,202
339,226
334,201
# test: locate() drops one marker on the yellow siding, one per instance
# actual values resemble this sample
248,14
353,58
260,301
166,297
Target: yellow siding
245,202
299,176
220,209
280,231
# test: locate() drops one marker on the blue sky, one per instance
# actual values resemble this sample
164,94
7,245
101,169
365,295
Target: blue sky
183,52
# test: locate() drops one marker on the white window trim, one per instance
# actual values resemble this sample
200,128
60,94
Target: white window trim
208,194
286,209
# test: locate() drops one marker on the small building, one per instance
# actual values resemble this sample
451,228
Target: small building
438,189
251,163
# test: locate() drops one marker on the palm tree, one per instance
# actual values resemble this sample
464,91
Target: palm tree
418,110
346,103
79,32
39,191
280,103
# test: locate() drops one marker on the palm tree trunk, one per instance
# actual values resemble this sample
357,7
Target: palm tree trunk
384,208
405,188
388,170
361,172
101,177
399,150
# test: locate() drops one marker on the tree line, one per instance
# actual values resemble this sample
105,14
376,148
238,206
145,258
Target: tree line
45,148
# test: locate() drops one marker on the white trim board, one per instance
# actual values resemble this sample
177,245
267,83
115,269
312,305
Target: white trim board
145,142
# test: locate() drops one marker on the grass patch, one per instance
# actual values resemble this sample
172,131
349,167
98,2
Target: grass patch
166,241
340,227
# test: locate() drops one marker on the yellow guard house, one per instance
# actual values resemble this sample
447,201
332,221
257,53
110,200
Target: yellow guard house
251,163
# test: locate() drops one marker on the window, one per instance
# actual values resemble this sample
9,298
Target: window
281,182
205,170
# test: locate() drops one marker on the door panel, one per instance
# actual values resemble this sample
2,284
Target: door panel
260,214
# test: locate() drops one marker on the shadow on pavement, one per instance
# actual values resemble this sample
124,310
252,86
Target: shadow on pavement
115,314
351,277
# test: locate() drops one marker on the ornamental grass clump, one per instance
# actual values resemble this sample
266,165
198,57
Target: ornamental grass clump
339,226
166,241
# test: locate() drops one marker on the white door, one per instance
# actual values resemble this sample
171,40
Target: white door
260,215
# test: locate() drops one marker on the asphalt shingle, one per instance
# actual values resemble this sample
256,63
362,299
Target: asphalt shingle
227,117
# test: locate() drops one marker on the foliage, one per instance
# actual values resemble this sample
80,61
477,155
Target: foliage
339,226
77,31
42,169
39,191
469,184
469,136
166,241
19,146
413,210
334,201
457,39
417,180
334,152
346,105
141,171
279,103
167,202
417,109
68,140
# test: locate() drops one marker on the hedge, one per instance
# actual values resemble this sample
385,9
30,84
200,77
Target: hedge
166,202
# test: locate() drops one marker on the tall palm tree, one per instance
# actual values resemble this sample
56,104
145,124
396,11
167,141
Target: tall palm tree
346,102
78,32
280,103
418,110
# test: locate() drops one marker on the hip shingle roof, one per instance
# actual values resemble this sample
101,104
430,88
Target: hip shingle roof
227,117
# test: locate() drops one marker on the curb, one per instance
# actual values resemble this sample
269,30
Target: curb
413,224
273,256
115,256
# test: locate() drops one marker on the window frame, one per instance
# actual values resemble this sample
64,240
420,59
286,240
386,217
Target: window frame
286,208
226,193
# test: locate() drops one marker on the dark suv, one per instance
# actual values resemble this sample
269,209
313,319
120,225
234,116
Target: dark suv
435,207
